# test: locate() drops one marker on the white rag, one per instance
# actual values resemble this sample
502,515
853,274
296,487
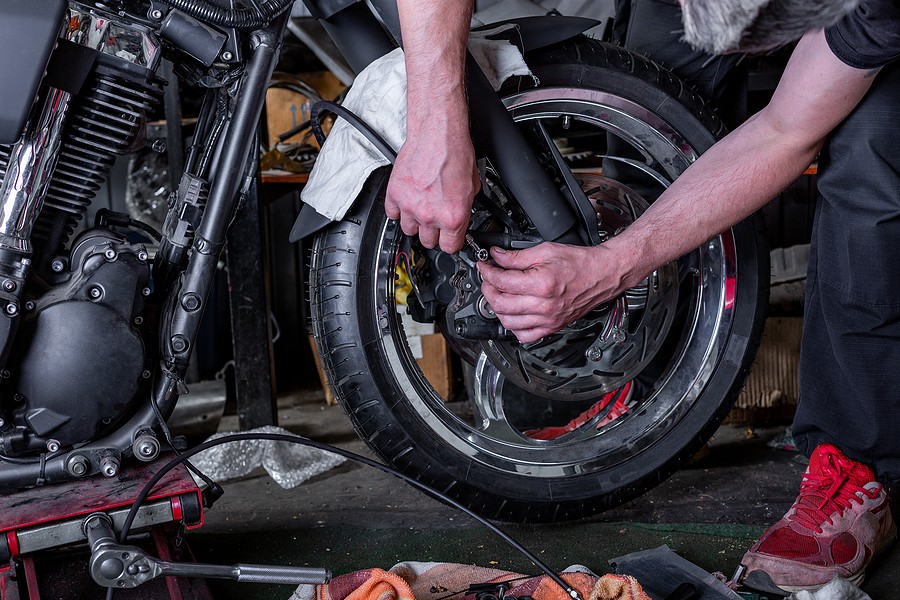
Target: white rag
837,589
378,97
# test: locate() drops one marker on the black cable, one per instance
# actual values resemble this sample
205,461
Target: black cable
364,128
294,439
240,18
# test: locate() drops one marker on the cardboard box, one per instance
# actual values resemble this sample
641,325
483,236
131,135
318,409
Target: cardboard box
432,355
772,389
436,364
285,109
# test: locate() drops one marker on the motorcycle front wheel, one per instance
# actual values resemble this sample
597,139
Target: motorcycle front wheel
610,419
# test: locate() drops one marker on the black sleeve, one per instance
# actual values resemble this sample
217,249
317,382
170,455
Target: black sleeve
868,37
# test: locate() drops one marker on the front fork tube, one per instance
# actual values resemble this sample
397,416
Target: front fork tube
236,147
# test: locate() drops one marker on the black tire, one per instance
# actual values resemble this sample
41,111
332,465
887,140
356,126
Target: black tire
396,411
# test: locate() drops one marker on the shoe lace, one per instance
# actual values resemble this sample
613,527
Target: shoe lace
822,495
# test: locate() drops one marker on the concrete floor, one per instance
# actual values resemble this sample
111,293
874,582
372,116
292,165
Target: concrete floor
354,517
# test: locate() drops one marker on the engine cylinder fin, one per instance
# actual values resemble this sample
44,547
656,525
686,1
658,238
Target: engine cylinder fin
104,121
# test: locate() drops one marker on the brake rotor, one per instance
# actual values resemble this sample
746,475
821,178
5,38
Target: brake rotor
613,343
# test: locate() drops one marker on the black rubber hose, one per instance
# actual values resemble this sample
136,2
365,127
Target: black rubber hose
364,128
239,18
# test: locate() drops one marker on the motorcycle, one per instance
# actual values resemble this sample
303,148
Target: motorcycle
97,330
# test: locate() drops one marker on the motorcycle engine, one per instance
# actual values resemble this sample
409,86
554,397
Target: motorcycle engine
78,364
84,361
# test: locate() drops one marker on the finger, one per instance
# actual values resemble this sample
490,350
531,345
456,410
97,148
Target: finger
428,236
391,206
409,225
452,239
391,209
526,336
507,281
515,259
504,304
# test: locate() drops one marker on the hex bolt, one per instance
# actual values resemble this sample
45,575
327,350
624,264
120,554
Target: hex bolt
110,254
57,265
9,285
109,465
593,354
52,446
179,343
190,302
156,14
95,292
2,422
226,56
145,447
12,309
142,255
77,465
158,146
145,291
619,336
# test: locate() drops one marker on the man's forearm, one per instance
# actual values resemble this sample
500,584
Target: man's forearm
434,40
753,164
735,178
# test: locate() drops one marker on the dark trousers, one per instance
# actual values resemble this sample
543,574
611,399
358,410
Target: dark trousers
850,357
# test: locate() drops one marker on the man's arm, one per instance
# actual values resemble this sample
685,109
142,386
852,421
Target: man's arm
434,179
537,291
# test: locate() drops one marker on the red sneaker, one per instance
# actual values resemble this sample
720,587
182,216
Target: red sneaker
840,520
621,406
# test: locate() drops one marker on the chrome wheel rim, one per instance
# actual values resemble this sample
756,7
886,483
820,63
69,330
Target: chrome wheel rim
484,430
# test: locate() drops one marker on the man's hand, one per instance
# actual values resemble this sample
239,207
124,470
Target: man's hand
432,187
434,179
538,291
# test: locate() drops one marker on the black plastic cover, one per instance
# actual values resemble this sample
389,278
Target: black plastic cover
28,32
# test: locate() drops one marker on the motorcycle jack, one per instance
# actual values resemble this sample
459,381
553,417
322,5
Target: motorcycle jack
44,529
